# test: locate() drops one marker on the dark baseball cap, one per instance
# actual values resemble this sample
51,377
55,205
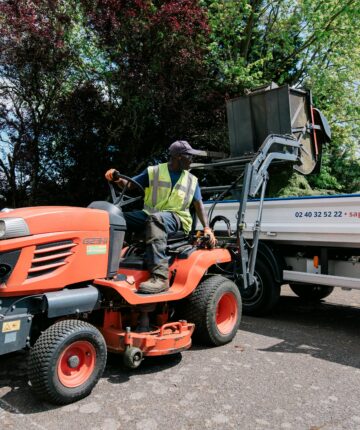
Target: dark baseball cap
182,147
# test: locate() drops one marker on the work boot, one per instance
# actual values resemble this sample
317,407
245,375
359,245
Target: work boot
154,285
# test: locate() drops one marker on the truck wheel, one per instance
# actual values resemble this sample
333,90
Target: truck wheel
67,361
261,297
215,308
312,292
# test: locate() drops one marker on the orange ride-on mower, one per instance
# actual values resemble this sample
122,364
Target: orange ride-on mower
68,291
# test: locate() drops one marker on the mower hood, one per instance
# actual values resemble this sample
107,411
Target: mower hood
51,219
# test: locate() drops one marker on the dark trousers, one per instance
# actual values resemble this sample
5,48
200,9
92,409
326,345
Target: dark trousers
156,228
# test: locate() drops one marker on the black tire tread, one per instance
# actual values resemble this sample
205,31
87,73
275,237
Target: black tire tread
271,293
194,309
312,292
39,364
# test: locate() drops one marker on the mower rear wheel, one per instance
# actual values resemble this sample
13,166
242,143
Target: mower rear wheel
215,308
67,361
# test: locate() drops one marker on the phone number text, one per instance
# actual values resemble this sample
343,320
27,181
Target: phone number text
319,214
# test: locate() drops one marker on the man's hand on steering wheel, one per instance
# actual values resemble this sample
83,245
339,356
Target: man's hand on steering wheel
126,183
113,175
109,174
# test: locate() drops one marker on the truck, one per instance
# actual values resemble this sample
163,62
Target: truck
311,243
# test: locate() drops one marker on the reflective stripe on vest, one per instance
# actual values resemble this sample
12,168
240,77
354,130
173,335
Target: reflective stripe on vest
160,196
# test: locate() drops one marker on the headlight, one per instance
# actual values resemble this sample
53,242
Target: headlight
2,228
13,227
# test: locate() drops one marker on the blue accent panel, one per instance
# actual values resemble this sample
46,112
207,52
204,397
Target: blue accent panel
270,199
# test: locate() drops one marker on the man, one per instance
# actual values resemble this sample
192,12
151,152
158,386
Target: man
169,191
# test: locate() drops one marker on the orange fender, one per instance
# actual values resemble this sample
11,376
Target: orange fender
188,273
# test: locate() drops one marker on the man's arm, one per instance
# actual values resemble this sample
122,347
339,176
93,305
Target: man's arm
201,214
142,179
123,183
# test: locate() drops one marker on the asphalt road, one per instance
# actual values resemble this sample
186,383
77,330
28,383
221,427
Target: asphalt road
298,369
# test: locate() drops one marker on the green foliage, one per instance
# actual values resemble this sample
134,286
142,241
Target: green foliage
333,76
298,185
307,43
87,85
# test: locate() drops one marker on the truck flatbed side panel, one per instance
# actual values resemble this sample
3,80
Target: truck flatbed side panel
326,220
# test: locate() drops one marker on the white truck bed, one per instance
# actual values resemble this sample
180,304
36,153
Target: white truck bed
325,220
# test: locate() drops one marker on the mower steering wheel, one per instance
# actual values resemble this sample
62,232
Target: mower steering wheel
123,199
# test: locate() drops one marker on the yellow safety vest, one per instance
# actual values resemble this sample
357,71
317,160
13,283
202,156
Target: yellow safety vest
160,196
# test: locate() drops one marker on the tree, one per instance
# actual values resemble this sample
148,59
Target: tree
307,43
157,75
34,68
49,67
88,85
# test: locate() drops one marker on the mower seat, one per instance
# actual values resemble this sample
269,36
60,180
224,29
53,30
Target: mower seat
134,258
138,238
177,239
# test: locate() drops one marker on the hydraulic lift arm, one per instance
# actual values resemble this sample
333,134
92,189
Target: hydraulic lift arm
255,179
268,126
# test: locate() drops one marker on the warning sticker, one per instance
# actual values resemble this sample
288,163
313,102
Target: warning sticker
95,249
11,326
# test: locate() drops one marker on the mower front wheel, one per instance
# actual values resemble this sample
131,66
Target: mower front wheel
215,308
132,357
67,361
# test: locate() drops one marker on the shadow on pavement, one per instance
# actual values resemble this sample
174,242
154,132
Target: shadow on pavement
324,330
117,373
19,399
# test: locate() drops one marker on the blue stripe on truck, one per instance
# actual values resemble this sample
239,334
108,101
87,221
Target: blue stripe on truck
269,199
